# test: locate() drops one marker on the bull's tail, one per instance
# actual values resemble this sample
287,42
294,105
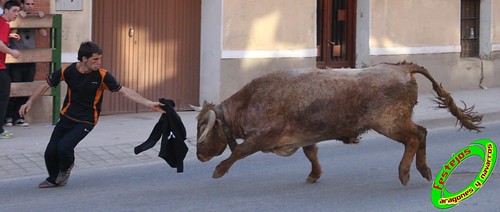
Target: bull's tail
467,117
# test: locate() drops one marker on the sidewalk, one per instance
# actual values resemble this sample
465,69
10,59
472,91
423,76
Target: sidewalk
113,140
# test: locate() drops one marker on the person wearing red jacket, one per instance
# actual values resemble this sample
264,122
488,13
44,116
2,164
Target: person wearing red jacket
10,13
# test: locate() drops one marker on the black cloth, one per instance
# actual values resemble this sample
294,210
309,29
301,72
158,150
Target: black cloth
172,132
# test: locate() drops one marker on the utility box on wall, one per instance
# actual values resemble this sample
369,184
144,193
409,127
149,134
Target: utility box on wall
65,5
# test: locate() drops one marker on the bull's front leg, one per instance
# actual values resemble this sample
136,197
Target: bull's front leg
242,150
311,153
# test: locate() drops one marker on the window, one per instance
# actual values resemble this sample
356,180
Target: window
469,28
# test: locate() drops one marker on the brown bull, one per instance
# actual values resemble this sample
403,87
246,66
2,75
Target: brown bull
285,110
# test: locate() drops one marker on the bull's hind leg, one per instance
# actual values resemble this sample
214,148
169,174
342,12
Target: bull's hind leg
311,153
421,154
405,132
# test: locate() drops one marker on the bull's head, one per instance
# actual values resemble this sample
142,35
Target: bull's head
211,140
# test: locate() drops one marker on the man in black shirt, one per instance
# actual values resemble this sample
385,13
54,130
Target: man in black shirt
81,108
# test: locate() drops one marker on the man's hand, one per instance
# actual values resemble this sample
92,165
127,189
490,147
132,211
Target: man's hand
24,109
15,36
156,106
22,14
15,53
40,14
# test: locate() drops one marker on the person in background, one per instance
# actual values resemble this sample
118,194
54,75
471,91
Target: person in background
2,2
22,72
23,38
11,11
86,82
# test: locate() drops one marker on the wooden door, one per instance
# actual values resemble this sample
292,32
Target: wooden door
336,33
151,46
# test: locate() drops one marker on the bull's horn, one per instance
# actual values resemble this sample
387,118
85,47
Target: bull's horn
195,108
210,125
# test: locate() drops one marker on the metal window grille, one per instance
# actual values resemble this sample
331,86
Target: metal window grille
469,33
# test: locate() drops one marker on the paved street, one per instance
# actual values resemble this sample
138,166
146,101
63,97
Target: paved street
357,177
111,143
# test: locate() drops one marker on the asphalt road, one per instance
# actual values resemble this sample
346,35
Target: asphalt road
356,177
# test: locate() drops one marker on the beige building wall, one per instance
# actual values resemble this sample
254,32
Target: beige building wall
495,23
427,32
244,39
275,35
422,23
76,28
271,25
493,76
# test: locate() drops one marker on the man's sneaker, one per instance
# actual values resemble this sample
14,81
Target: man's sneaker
62,177
21,123
6,135
47,184
8,122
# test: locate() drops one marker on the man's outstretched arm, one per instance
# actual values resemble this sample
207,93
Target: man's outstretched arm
134,96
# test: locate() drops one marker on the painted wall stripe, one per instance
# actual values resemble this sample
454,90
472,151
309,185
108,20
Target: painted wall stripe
495,47
415,50
296,53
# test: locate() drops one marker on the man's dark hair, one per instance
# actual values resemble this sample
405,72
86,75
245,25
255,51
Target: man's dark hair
10,4
87,49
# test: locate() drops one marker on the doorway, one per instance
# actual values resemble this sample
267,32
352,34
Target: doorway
336,33
150,46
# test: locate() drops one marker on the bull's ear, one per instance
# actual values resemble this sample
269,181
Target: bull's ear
196,108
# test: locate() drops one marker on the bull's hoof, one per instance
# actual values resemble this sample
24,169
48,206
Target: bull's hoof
350,140
218,174
426,173
404,179
313,176
311,179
